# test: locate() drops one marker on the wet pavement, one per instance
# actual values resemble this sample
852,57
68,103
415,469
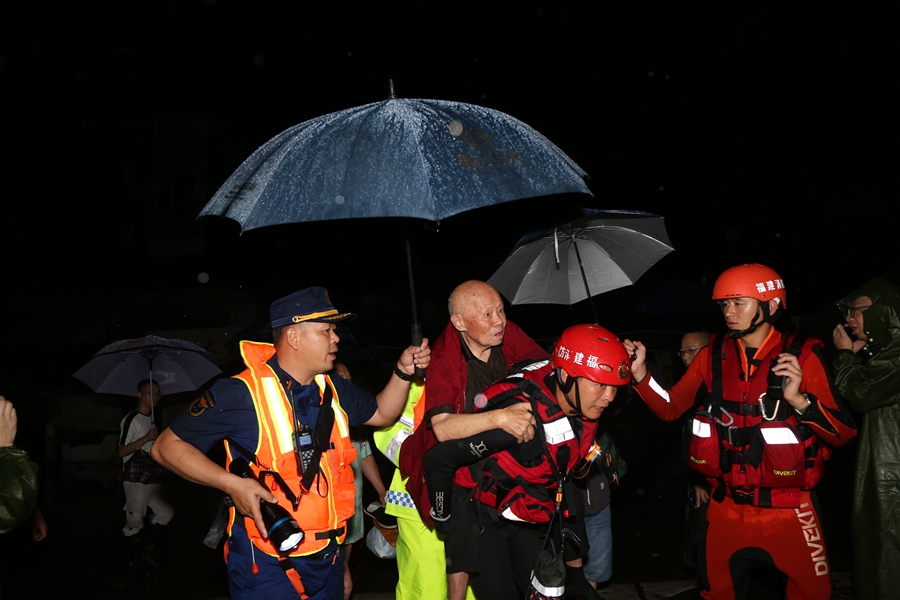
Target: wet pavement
85,557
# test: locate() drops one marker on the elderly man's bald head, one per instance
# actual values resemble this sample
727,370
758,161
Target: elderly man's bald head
476,310
466,292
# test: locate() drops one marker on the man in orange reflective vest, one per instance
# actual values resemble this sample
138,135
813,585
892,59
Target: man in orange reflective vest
289,421
770,421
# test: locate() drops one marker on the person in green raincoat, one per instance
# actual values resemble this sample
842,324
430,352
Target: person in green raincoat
868,376
18,475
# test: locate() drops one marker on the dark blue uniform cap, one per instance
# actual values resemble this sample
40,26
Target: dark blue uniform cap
311,305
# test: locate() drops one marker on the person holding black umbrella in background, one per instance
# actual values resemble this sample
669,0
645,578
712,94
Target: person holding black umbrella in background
141,478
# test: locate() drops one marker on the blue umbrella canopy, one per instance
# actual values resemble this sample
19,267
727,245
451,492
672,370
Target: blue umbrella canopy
427,159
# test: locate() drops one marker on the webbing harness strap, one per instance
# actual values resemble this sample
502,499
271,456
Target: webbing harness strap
324,425
288,493
288,567
330,534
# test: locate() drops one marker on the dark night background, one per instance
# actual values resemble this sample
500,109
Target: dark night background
761,131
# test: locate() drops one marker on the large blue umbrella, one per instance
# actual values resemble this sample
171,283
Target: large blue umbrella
427,159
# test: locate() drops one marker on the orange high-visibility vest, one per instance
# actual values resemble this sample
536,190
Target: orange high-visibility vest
322,513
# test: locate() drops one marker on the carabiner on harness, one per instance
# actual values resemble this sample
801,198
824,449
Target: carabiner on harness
762,408
718,420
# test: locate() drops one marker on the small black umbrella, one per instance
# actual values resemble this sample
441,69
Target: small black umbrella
174,365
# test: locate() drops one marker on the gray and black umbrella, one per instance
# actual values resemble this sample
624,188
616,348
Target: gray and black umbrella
581,259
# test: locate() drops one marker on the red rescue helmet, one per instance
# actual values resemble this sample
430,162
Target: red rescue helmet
750,281
592,352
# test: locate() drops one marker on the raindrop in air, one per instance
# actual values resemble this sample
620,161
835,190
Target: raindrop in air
258,60
339,200
456,128
203,277
650,74
661,188
480,401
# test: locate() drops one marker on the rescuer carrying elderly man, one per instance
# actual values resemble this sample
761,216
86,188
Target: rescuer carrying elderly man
507,496
286,423
770,422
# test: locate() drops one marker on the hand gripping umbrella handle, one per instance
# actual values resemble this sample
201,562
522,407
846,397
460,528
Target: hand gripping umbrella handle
417,341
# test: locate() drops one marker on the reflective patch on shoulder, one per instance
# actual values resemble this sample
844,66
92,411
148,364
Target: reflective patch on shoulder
536,365
559,431
202,404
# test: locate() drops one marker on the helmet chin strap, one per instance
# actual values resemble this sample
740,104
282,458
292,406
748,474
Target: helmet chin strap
753,326
566,387
764,316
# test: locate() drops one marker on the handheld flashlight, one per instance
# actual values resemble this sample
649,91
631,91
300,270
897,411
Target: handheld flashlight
281,527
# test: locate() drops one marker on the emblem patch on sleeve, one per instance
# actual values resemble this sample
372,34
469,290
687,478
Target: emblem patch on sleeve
202,404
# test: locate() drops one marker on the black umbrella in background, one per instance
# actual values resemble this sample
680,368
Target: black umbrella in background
174,365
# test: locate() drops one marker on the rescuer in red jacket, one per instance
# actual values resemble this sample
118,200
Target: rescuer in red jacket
770,422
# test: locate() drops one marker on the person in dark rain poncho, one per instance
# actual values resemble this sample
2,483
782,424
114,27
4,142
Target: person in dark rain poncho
867,373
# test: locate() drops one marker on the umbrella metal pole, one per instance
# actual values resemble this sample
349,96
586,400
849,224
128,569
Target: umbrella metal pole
152,411
150,354
584,279
416,326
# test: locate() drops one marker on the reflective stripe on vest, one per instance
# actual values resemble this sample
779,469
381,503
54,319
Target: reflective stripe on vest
389,439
